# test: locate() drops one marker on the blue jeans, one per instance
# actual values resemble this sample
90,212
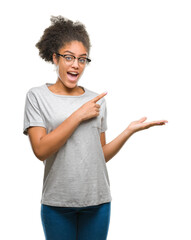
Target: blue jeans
76,223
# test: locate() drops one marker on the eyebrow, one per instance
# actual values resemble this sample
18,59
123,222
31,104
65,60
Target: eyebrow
73,53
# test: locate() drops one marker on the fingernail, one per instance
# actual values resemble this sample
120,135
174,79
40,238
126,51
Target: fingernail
106,92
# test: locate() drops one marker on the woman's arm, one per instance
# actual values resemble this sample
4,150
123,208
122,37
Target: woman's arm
44,145
112,148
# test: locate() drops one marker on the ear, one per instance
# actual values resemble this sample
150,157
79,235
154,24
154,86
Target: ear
54,58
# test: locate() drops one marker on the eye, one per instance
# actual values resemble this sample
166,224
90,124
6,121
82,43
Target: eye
68,58
82,60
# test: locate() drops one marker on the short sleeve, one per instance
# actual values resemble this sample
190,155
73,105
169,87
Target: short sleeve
32,114
104,117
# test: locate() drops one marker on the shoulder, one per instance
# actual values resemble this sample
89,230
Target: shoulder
90,92
34,94
35,91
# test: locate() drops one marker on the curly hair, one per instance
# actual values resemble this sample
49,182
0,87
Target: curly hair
61,32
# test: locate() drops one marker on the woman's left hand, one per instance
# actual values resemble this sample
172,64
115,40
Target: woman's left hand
139,125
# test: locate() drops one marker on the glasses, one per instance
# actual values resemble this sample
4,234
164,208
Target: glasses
69,59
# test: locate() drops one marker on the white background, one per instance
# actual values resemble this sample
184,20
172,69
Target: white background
141,55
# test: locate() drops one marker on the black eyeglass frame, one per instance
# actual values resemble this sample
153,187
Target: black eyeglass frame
89,60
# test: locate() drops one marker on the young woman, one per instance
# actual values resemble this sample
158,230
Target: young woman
66,125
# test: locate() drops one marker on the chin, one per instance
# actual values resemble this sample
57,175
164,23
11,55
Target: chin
71,84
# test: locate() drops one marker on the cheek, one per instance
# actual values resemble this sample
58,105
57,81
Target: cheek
63,71
82,70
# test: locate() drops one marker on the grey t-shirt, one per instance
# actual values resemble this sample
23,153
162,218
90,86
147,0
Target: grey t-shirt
76,175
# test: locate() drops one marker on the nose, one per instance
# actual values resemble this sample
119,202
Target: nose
75,64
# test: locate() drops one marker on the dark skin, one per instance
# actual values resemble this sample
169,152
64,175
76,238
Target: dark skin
44,145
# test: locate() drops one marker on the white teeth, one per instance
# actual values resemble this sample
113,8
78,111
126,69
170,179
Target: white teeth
73,73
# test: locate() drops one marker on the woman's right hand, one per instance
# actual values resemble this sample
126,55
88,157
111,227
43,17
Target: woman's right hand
90,109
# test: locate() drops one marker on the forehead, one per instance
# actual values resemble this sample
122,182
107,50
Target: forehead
74,47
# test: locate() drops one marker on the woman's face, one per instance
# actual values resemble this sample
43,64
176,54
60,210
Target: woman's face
70,72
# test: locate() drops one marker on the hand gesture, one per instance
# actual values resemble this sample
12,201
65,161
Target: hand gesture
139,125
90,109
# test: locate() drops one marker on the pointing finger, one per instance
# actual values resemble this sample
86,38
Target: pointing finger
97,98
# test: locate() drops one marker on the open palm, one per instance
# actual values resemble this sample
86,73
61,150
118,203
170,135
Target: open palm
141,125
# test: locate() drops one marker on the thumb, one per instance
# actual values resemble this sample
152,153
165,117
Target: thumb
142,119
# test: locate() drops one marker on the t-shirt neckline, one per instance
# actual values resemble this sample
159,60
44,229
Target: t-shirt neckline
60,95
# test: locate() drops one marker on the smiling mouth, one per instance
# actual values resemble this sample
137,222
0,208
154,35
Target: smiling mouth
72,76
